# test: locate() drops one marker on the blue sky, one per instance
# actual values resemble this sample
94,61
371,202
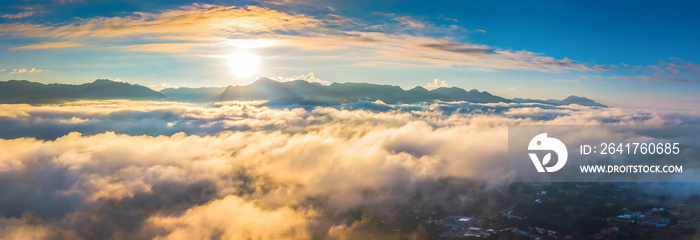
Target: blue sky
625,53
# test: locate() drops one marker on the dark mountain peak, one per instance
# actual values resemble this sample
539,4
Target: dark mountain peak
450,90
18,81
264,81
104,81
21,83
107,82
574,97
583,101
418,89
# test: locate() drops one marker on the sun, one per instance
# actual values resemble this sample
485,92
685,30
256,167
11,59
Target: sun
243,63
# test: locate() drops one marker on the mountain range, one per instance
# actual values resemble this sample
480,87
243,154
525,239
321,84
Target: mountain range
24,91
569,100
275,92
302,92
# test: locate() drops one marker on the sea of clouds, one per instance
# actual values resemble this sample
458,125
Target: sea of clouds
245,170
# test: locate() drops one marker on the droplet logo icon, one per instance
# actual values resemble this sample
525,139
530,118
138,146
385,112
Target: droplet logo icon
542,142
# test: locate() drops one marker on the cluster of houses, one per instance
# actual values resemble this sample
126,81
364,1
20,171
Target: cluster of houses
649,218
605,233
536,233
512,224
463,226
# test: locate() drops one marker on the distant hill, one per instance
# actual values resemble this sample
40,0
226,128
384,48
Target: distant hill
569,100
22,91
293,92
303,92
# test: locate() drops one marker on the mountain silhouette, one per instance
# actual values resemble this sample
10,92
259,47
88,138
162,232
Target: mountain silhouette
294,92
583,101
302,92
23,91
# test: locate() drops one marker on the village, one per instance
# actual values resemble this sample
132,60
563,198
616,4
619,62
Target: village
575,211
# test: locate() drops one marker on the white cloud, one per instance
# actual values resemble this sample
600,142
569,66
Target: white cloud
437,84
308,77
17,15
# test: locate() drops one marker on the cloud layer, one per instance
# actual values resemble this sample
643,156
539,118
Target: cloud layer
241,170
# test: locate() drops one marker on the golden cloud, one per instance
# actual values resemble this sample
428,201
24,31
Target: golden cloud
24,70
280,174
46,45
205,29
198,22
232,218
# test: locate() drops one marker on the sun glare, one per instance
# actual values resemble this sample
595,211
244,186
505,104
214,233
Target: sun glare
243,63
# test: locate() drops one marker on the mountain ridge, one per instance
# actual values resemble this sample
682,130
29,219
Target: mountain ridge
24,91
573,99
275,92
302,92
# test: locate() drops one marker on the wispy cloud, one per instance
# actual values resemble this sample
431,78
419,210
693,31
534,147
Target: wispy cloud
569,80
645,78
430,52
201,22
402,40
507,89
25,11
68,1
46,45
675,70
187,47
23,70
